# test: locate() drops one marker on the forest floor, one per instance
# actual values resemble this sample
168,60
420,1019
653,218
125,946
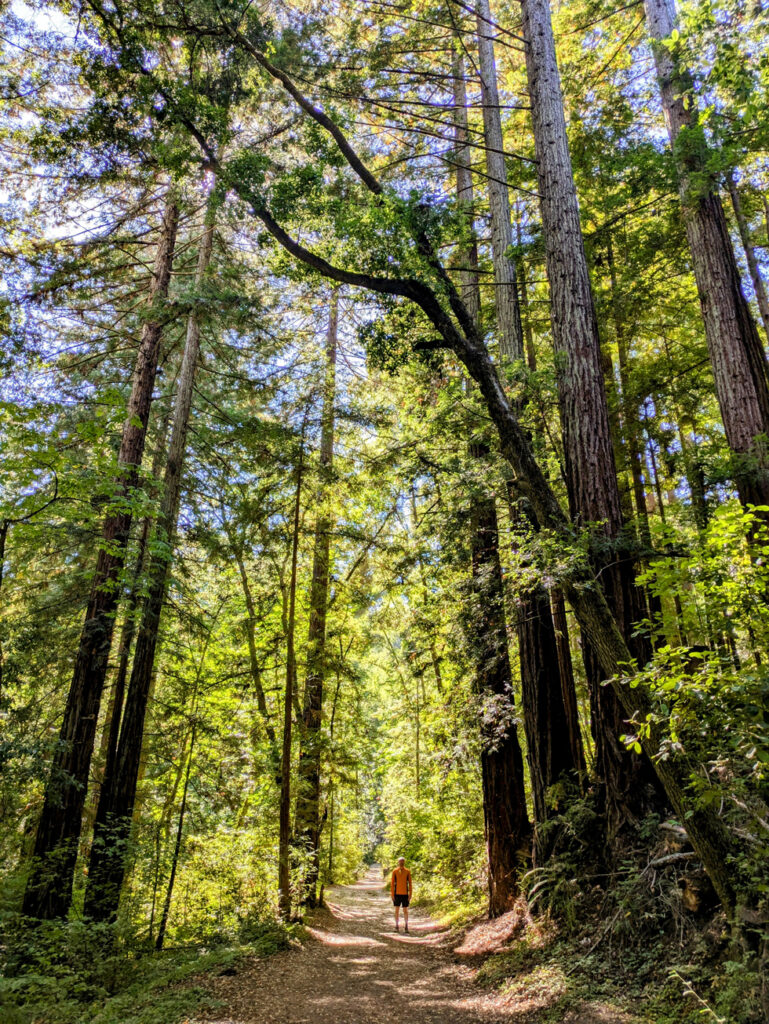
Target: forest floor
355,969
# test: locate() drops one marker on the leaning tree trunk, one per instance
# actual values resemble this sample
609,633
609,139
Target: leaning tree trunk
736,353
49,888
544,715
307,822
114,814
707,832
504,802
627,781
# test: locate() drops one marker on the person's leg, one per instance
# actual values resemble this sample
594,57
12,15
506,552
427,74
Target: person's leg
406,918
397,913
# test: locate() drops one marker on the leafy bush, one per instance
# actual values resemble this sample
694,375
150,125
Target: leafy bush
83,973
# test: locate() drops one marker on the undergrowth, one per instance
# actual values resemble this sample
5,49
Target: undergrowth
643,939
77,973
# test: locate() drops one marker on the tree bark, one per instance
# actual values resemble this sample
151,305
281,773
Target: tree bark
49,888
568,685
736,353
627,782
308,782
105,762
506,821
118,792
549,751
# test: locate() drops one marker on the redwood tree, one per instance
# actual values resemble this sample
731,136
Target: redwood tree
549,751
736,353
627,780
118,791
506,822
49,887
433,292
308,821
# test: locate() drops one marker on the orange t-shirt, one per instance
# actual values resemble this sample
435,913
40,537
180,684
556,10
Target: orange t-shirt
400,883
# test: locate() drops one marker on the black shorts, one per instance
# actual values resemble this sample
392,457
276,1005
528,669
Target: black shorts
400,900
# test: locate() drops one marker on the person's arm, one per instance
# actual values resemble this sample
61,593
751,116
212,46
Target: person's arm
392,887
409,885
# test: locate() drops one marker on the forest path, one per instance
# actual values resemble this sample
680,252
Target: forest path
357,970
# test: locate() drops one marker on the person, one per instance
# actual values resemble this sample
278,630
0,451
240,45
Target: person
400,890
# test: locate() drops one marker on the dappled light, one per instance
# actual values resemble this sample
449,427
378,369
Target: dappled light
338,977
384,511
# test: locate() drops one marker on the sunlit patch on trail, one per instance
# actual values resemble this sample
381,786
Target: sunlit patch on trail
343,939
357,970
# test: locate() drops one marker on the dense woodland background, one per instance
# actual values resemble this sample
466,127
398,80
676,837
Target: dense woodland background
374,389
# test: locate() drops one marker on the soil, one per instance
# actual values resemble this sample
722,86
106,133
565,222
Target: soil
356,969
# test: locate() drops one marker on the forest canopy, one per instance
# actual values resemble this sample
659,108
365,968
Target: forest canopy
384,470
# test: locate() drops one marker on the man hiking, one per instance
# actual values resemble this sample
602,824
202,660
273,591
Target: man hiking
400,890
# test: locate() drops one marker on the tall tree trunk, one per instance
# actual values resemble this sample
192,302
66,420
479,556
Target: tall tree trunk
736,353
105,761
568,685
470,287
506,823
284,826
331,794
550,754
528,333
627,781
118,792
49,888
759,286
308,782
504,801
505,292
544,716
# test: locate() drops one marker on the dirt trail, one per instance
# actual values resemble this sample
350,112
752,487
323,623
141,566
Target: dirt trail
357,970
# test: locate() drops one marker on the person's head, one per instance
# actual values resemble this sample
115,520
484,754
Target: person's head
401,862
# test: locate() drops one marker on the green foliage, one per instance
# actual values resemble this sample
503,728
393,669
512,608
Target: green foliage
78,972
100,114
